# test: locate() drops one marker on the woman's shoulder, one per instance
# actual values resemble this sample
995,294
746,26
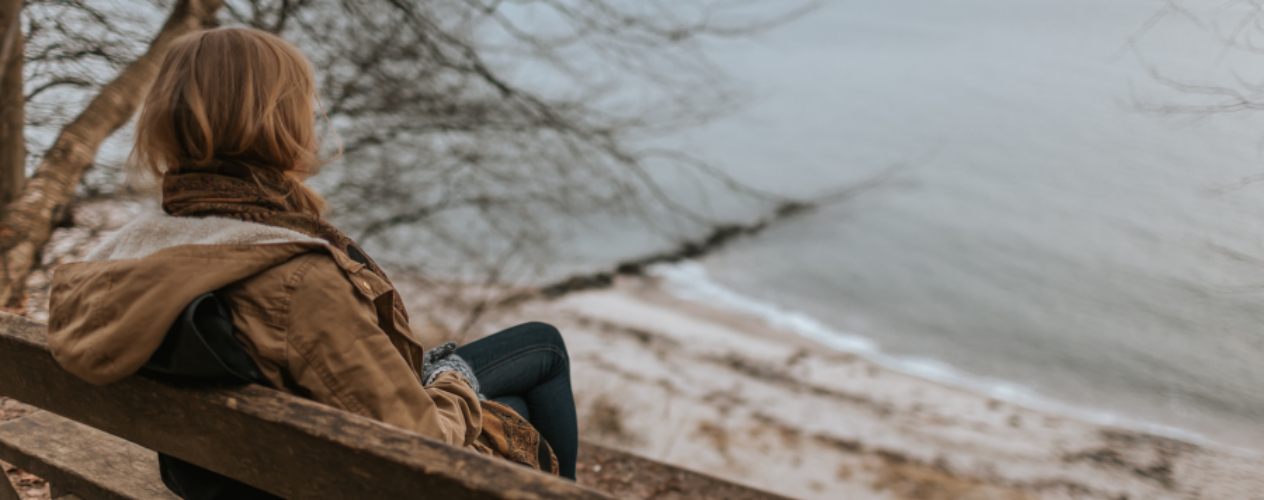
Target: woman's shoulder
274,289
309,284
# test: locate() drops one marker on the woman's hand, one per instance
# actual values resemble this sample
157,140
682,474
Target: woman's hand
444,358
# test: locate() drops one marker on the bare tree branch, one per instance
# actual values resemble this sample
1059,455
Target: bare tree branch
58,82
1237,28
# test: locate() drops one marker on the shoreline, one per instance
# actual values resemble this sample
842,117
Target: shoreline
689,283
727,394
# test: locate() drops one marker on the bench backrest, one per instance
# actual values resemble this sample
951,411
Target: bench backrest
274,441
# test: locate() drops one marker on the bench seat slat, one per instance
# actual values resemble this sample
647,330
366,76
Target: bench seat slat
79,459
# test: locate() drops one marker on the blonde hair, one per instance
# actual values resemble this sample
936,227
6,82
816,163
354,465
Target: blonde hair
232,94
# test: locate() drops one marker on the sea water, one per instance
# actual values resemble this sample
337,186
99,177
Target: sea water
1055,244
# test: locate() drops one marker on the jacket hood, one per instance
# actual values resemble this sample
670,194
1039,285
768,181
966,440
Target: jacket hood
109,313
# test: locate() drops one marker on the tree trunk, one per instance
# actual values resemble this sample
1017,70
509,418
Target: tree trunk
27,223
12,103
10,28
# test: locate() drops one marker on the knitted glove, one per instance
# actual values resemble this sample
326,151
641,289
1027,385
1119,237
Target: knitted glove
430,357
444,358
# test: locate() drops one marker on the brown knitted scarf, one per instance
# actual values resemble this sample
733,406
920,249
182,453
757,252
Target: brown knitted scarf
261,195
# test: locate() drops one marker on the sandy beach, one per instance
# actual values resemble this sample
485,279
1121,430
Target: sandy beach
726,395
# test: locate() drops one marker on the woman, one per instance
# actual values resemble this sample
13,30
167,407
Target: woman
228,128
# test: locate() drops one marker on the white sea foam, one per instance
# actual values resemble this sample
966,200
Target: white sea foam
690,281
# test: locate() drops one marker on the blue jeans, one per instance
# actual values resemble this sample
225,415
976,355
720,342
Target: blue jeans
526,368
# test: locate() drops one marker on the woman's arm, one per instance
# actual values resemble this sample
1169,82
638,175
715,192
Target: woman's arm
337,351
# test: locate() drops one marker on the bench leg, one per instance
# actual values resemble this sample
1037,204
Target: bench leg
7,492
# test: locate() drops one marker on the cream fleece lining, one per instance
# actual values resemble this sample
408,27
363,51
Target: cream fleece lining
154,231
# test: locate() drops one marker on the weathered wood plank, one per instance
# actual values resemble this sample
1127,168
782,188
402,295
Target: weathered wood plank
24,330
277,442
7,491
625,475
76,458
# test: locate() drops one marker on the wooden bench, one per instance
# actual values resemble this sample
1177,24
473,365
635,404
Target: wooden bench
98,442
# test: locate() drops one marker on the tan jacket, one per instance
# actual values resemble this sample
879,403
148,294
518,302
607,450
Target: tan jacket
319,324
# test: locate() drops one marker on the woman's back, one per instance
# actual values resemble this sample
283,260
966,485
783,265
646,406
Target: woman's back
306,313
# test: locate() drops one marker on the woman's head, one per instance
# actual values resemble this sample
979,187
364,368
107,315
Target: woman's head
232,94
